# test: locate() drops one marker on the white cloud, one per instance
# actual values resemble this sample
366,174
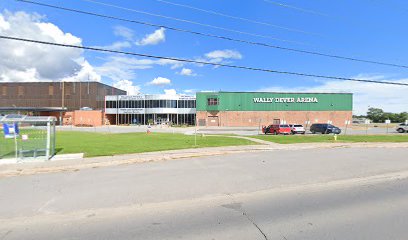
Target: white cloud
123,32
224,54
126,42
160,81
390,98
3,24
190,91
87,73
127,86
187,72
21,62
116,45
154,38
119,67
219,57
170,92
174,64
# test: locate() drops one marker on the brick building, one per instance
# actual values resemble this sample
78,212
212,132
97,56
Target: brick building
60,99
263,108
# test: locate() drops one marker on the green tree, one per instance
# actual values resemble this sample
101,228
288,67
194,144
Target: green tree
401,117
375,114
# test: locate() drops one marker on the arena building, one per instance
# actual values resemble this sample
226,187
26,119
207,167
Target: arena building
263,108
151,109
95,104
60,99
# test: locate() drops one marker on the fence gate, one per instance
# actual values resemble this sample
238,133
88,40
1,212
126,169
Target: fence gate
26,137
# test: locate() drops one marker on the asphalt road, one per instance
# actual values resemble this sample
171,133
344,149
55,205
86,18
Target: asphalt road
307,194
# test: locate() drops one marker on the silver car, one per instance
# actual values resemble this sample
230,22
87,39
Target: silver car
402,128
297,129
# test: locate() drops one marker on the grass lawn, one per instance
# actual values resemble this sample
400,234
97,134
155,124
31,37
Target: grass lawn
37,140
329,138
104,144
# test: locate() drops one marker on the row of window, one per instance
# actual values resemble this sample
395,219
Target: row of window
151,104
21,90
212,102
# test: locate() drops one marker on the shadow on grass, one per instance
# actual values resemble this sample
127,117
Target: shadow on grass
58,150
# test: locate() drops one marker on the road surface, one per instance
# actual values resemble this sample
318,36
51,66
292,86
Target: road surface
347,193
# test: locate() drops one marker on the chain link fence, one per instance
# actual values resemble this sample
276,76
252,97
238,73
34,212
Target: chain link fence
26,138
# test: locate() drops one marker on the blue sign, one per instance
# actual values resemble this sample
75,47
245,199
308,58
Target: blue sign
11,130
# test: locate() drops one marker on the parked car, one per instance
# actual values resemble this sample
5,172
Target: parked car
86,109
277,129
324,128
297,129
402,128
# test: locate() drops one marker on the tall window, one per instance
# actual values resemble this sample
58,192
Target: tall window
4,91
20,90
50,90
212,101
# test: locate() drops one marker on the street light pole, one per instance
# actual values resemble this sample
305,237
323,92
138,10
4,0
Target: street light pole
62,101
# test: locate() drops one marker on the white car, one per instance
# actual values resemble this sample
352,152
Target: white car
297,129
402,128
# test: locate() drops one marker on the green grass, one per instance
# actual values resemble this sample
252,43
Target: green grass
104,144
329,138
37,140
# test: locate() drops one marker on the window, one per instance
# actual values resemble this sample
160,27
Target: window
181,103
173,103
212,101
4,91
50,90
67,90
162,103
20,90
153,103
110,104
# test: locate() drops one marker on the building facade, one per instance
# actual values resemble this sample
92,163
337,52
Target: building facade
55,95
264,108
151,109
59,99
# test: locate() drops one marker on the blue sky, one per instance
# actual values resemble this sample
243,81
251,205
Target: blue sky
366,29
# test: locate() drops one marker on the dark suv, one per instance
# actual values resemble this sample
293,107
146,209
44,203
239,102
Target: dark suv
324,128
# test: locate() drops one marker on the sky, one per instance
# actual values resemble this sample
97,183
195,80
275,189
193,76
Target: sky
367,29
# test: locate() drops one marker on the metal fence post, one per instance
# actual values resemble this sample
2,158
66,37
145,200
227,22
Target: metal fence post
15,142
47,154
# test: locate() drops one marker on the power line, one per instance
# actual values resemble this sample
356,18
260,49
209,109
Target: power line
218,36
235,17
200,62
188,21
296,8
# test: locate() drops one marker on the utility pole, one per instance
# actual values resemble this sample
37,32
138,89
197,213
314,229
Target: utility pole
80,94
62,102
62,95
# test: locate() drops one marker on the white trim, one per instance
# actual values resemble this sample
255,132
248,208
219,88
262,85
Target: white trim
150,111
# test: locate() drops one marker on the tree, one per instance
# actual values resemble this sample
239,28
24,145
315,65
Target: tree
375,114
401,117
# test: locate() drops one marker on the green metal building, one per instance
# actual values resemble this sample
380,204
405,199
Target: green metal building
254,108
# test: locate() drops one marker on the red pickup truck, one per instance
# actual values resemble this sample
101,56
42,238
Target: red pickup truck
277,129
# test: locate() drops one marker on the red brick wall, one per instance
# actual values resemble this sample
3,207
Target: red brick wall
252,118
88,118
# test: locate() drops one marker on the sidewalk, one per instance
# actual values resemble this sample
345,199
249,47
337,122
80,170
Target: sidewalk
21,169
